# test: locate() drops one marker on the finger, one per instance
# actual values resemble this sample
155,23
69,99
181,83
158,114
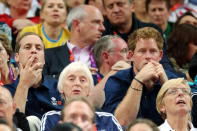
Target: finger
93,69
37,66
155,63
29,62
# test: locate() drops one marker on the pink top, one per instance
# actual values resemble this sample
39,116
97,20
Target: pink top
82,55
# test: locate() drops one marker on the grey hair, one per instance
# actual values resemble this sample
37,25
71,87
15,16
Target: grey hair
105,43
77,13
72,67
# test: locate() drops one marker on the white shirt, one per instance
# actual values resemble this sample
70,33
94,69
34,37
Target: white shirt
166,127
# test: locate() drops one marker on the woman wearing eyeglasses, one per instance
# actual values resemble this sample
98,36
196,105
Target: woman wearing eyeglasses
174,105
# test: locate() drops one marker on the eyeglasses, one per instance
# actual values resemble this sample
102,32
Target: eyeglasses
174,91
123,51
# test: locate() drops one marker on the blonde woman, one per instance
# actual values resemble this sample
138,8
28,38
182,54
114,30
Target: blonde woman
174,105
51,29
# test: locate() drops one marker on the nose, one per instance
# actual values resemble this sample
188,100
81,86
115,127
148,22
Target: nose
148,56
55,8
101,27
33,50
157,12
180,92
77,81
115,8
78,121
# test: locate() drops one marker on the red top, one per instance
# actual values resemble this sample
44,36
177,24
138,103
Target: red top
9,20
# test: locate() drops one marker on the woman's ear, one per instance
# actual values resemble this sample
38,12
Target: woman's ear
162,108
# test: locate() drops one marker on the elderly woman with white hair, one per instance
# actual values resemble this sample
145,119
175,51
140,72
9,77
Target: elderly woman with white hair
76,81
174,105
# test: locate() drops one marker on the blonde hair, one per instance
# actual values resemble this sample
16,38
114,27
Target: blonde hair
167,85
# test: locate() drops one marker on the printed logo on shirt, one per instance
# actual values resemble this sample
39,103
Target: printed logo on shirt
53,101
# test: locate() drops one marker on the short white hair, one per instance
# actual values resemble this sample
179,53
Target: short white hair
72,67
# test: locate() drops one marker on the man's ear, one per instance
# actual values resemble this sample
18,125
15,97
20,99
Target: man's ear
105,56
16,57
132,7
160,54
130,54
75,25
14,107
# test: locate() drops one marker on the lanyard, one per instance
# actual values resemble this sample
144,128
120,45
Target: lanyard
11,74
93,64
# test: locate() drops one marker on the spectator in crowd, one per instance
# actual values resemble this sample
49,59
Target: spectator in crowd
5,29
182,45
83,111
179,7
4,125
140,10
7,70
108,50
121,21
158,12
174,104
76,80
142,125
74,3
8,111
66,127
98,4
18,18
131,93
33,89
35,6
8,107
53,15
85,25
193,67
188,18
193,86
110,54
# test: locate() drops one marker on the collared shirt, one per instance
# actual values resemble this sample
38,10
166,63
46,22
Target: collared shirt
116,88
104,121
42,99
82,55
166,127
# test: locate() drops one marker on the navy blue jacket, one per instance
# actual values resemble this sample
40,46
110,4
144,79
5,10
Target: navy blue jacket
116,88
42,99
104,121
